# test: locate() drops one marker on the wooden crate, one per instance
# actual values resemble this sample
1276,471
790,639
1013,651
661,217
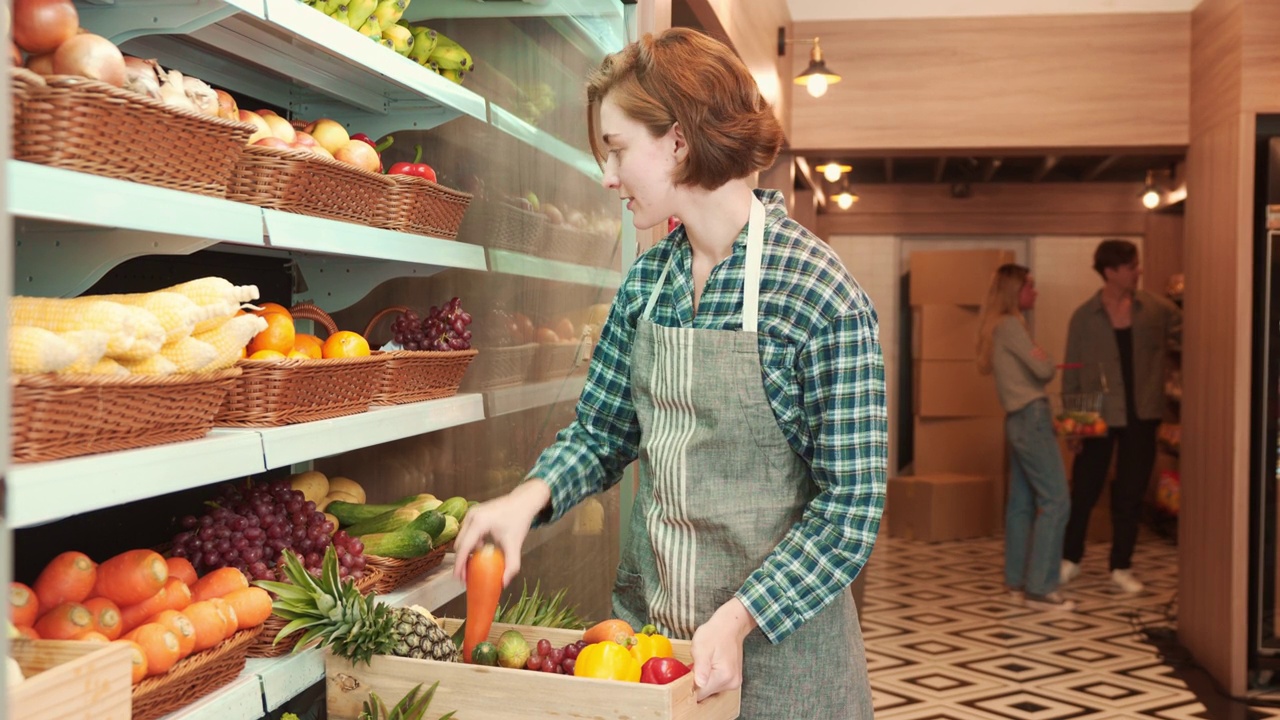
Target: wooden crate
68,679
501,694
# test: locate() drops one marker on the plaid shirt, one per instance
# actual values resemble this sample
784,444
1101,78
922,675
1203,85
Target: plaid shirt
824,375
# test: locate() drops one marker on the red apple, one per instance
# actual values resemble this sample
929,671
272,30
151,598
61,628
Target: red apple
280,128
329,133
274,142
263,131
227,108
265,113
547,336
358,153
304,139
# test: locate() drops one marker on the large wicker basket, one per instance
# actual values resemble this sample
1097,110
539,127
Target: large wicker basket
426,208
92,127
265,645
500,367
396,573
193,677
556,360
297,181
499,225
270,393
569,244
62,416
417,375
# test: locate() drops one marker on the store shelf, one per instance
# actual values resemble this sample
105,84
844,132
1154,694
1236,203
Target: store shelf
505,401
290,231
433,590
241,700
290,444
41,492
579,160
514,263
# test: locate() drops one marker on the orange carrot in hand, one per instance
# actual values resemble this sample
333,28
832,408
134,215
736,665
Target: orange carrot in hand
484,584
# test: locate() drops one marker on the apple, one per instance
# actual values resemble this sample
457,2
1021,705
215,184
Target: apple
253,118
554,216
564,328
319,150
274,142
546,336
576,219
227,108
265,113
525,325
281,128
305,139
329,133
358,153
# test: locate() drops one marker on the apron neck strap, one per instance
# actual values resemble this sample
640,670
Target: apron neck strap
751,278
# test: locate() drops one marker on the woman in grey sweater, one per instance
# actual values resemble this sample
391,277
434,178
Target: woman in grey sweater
1038,504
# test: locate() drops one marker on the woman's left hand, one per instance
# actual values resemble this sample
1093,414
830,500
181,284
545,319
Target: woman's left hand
717,649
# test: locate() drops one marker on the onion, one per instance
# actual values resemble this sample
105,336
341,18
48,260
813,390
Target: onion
141,76
172,92
91,56
201,95
40,64
40,26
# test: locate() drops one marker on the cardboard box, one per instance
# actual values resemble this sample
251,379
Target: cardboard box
954,388
954,277
965,446
944,332
942,507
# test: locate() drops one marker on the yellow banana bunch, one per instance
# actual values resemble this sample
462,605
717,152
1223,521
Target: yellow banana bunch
371,29
449,55
424,42
400,38
359,12
388,12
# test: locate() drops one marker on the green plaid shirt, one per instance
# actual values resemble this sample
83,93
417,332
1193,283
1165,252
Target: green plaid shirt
824,375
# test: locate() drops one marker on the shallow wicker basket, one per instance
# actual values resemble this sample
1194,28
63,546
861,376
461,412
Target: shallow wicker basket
397,573
418,375
264,645
297,181
556,360
193,677
499,225
569,244
270,393
62,416
92,127
501,367
426,208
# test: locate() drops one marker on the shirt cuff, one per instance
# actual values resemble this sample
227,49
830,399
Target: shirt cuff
770,602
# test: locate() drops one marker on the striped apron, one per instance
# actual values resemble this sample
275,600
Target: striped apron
719,488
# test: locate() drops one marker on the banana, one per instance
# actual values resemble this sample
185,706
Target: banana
449,55
424,41
385,42
341,15
454,75
329,7
360,11
371,29
389,11
401,39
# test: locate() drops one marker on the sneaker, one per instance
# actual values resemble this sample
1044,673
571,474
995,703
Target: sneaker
1069,571
1051,601
1125,580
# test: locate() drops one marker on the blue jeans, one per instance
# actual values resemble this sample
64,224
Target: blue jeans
1039,504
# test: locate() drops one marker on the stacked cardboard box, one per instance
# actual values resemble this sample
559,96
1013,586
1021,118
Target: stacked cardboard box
940,507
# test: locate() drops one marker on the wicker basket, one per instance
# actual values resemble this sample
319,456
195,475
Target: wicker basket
397,573
418,375
499,225
501,367
556,360
92,127
297,181
270,393
193,678
569,244
265,646
426,208
62,416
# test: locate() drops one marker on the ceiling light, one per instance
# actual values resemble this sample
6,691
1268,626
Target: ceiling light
1150,195
817,77
847,197
833,171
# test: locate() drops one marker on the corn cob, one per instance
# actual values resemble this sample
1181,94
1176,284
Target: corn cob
189,354
61,315
211,290
148,336
36,350
107,366
156,364
92,344
230,337
176,313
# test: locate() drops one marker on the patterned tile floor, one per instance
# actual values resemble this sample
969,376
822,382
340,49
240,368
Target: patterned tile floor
945,642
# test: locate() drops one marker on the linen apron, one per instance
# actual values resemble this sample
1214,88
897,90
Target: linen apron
719,488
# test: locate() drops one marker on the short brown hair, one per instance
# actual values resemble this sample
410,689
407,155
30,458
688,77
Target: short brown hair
1113,253
683,76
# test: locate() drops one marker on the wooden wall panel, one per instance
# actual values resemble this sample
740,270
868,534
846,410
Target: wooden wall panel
1049,81
752,29
1216,62
1261,57
1161,250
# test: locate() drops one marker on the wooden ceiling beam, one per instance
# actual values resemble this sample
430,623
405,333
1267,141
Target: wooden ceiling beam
1100,168
940,169
1046,167
888,169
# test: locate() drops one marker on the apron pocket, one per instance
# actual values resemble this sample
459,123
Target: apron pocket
628,598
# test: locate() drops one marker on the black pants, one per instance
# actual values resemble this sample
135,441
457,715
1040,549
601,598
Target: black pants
1088,476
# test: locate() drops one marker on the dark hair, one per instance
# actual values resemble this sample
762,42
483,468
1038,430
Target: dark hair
1113,253
683,76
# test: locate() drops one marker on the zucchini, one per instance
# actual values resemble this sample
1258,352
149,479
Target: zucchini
455,506
389,521
430,522
450,530
351,513
402,544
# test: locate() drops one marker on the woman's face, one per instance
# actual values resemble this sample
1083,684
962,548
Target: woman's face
639,166
1027,296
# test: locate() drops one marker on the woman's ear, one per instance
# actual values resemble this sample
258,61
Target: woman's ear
681,145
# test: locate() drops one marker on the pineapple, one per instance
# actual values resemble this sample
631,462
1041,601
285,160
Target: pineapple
352,625
410,707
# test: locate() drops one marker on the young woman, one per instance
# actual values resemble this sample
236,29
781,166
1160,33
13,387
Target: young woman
740,365
1038,504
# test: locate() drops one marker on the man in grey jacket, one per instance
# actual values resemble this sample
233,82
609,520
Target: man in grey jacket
1116,345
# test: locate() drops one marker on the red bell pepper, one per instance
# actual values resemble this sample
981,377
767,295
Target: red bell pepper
662,670
417,168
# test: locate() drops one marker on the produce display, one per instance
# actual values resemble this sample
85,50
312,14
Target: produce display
380,20
443,329
410,707
407,528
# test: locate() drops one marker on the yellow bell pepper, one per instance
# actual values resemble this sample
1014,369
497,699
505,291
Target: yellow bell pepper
607,661
650,645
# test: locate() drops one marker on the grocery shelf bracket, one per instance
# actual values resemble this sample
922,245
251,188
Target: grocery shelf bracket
123,20
400,116
53,262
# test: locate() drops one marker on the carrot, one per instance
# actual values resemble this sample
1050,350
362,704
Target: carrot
24,606
28,632
218,584
92,636
182,569
181,627
618,631
228,615
252,606
209,624
64,622
178,593
137,659
131,577
106,617
484,584
131,616
69,577
159,643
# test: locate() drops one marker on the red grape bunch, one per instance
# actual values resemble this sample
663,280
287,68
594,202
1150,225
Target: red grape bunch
560,661
248,527
443,329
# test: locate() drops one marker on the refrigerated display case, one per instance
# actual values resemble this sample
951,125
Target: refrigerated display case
513,134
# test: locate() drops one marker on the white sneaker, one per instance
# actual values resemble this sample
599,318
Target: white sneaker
1069,571
1125,580
1051,601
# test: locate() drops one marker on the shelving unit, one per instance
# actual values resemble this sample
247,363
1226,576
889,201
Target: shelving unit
241,700
505,401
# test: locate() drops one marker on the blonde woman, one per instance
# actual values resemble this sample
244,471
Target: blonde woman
1038,505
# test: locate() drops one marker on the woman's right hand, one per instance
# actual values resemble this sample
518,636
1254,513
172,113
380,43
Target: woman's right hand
506,520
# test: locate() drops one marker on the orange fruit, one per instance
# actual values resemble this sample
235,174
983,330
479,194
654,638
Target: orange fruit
270,307
278,336
269,355
309,344
297,355
345,344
